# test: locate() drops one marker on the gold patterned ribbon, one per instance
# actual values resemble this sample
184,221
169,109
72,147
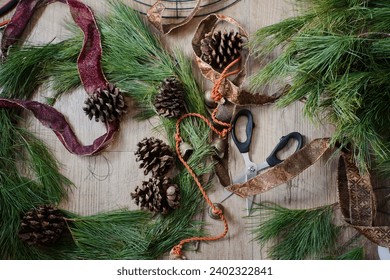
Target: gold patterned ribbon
357,201
155,17
285,171
356,194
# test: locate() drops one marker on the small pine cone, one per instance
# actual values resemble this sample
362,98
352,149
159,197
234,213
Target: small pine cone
220,49
169,102
157,195
155,156
105,105
42,225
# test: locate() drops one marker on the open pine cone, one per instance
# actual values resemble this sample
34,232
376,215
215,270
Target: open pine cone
105,105
158,195
220,49
42,225
155,156
169,102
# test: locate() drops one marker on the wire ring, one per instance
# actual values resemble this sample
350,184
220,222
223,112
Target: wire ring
176,9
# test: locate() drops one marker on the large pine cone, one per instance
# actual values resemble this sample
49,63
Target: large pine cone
220,49
105,105
155,156
169,102
158,195
42,225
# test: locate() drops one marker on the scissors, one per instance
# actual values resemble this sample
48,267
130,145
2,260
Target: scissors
251,168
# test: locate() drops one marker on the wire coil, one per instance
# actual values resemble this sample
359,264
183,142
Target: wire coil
181,8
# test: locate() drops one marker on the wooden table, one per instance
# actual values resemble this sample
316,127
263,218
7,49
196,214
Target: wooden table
104,182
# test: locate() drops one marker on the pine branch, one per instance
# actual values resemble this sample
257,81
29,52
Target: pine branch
354,254
19,193
301,234
119,235
336,57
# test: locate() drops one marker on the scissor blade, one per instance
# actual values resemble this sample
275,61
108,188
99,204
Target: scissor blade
237,180
250,199
226,195
249,204
262,166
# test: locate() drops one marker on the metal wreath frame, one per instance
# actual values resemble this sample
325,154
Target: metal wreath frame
176,7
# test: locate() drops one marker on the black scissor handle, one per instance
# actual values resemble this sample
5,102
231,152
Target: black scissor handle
243,147
272,159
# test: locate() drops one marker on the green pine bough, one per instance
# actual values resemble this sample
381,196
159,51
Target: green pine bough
133,59
336,57
301,234
298,234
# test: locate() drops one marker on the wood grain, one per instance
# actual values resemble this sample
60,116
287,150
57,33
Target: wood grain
104,182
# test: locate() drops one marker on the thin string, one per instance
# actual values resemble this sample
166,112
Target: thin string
217,96
3,24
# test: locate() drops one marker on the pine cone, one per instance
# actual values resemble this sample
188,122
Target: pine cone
219,50
169,102
106,105
158,195
156,156
42,225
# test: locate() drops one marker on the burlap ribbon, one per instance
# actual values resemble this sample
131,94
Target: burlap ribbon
357,201
356,194
230,89
285,171
155,17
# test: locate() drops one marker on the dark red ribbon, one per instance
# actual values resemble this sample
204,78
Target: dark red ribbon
89,66
54,120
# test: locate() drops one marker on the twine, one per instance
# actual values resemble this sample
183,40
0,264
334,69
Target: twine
217,96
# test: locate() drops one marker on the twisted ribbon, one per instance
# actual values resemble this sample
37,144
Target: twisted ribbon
89,67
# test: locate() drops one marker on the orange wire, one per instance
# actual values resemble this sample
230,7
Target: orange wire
216,95
4,23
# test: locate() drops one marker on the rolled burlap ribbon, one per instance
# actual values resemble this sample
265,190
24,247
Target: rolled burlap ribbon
358,203
155,17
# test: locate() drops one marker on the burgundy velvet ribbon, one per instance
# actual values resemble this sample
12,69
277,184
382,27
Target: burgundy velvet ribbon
54,120
89,66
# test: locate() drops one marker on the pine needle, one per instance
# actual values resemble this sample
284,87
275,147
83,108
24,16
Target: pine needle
336,57
354,254
300,234
134,59
21,191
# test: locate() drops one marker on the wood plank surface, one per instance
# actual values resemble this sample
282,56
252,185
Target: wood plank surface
104,182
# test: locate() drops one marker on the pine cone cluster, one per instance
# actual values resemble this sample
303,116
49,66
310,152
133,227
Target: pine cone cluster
220,49
155,156
158,195
105,105
169,102
42,225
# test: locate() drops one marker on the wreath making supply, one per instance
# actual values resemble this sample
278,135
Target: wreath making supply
181,8
121,234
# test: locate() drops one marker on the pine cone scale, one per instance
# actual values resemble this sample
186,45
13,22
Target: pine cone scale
219,49
42,226
157,195
169,102
155,156
105,105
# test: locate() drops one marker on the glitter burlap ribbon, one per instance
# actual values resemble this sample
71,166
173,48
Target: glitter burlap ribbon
155,17
285,171
230,89
89,66
357,201
356,194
